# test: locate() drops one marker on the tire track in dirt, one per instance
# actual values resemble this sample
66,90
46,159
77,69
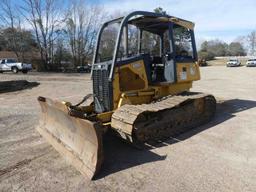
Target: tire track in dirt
18,165
14,167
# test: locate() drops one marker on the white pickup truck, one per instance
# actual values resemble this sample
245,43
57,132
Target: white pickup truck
14,66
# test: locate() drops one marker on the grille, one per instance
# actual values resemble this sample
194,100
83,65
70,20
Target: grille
102,90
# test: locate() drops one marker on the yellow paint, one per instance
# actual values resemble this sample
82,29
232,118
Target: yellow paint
138,69
105,117
178,21
186,74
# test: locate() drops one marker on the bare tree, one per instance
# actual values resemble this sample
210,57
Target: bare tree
248,42
81,27
251,39
11,21
45,18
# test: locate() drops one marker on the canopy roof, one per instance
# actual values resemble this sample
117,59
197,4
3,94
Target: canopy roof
153,22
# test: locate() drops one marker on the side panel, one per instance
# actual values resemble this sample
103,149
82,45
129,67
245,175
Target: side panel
130,85
187,72
133,76
128,78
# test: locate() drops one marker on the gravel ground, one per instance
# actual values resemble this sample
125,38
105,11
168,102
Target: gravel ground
219,156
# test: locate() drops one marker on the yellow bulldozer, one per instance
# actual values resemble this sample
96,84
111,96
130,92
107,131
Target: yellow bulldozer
143,68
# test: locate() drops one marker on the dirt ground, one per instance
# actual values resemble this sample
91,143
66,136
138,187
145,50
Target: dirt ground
219,156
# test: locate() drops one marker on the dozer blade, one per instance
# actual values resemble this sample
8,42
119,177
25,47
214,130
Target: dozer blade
78,140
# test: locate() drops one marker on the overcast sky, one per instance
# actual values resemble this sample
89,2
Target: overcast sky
222,19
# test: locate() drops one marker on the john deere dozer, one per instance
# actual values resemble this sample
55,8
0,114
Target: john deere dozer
143,68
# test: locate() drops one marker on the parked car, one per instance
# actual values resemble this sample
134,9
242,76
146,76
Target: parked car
84,68
251,63
202,62
14,66
233,63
